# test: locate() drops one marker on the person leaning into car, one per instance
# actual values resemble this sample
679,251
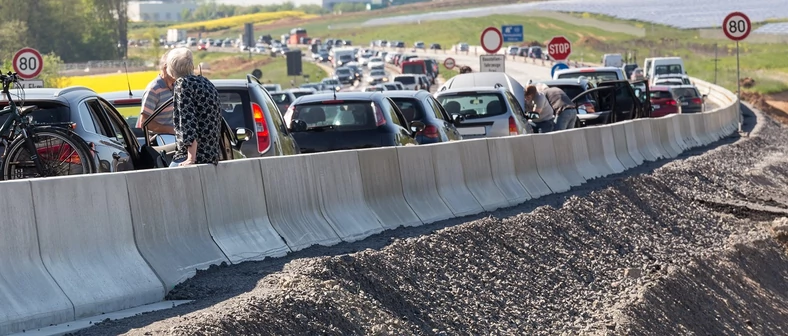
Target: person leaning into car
158,91
197,112
544,123
565,110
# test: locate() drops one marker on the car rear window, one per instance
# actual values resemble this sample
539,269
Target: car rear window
474,105
233,108
685,92
46,112
667,69
281,98
407,80
410,108
594,77
661,95
415,68
338,116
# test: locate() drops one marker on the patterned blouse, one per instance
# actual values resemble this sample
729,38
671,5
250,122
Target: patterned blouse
197,116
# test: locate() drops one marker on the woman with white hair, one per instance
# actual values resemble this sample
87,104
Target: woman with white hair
197,112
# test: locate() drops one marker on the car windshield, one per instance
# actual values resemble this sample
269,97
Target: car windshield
377,73
376,60
661,95
592,76
343,71
339,115
667,69
473,105
407,80
410,108
685,92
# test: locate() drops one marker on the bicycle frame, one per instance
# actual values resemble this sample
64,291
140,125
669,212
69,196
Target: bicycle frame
16,117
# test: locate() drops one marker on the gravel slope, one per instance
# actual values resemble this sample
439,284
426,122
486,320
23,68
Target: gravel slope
659,251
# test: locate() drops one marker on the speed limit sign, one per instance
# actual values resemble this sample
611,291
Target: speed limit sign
28,63
736,26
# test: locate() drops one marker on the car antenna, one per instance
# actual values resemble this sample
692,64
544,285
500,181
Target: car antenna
128,82
199,66
335,93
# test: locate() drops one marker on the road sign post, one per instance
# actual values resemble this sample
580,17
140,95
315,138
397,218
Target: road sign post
512,33
492,40
736,27
449,63
559,48
28,63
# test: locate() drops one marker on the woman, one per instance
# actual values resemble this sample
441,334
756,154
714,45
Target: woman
196,114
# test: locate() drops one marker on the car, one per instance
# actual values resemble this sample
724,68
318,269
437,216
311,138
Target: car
331,84
587,106
313,86
629,68
621,100
689,98
349,120
390,57
513,50
301,92
462,46
272,87
344,75
282,99
439,126
663,102
424,82
435,46
410,82
358,73
487,79
674,78
418,45
364,58
375,61
484,111
594,74
377,76
114,147
390,86
375,88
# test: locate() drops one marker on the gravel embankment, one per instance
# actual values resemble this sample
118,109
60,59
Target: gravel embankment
658,251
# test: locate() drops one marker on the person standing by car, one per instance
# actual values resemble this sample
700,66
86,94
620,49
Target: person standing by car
158,91
197,112
544,122
564,108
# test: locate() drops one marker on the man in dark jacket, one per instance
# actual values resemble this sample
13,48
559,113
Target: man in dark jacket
565,110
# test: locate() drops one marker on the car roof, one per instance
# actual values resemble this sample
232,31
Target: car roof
484,79
230,82
318,97
406,75
118,95
591,69
406,94
659,88
566,81
478,89
685,86
62,95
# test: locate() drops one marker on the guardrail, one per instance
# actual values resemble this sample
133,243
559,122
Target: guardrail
74,247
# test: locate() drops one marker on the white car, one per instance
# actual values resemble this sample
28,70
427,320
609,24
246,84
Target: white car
418,45
377,76
410,82
375,62
364,59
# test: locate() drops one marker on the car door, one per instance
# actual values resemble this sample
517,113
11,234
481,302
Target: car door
404,135
448,124
625,102
123,134
111,151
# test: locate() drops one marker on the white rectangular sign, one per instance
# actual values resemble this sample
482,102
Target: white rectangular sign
492,63
30,84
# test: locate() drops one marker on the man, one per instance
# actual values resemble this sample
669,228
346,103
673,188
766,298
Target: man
541,107
564,108
158,91
197,115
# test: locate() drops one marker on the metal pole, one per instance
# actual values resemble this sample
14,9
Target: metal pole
738,84
715,63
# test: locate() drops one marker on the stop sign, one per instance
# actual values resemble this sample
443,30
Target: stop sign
559,48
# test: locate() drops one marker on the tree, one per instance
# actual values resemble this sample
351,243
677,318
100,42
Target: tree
13,36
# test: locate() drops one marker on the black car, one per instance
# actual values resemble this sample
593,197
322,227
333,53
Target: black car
619,99
435,46
689,98
421,106
344,75
348,120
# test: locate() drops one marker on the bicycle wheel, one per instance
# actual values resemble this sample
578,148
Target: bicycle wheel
60,152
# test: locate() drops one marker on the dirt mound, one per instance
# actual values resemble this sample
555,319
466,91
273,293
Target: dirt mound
591,42
776,105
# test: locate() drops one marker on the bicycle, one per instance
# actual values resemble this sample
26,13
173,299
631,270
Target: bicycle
56,149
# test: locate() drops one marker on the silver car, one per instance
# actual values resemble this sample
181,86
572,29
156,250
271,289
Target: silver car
485,111
488,79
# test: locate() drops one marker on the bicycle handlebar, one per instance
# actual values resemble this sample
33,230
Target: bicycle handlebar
9,78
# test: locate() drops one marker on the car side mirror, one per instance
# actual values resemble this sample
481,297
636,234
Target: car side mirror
458,118
337,88
704,97
298,125
242,134
417,126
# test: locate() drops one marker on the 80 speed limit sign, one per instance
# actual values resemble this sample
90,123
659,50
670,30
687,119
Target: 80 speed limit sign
736,26
28,63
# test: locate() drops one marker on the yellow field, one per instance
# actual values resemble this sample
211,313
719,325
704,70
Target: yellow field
112,82
239,20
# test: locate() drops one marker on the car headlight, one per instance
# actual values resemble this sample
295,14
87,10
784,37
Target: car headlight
385,79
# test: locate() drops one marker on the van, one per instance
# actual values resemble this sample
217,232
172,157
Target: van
663,66
613,60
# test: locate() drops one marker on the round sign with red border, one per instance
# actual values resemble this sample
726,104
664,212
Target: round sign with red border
28,63
449,63
492,40
736,26
559,48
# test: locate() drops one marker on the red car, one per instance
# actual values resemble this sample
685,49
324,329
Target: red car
202,46
663,101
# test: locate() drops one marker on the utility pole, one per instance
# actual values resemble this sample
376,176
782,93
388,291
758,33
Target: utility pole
716,60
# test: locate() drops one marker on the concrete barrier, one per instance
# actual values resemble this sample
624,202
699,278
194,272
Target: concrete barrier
341,194
29,296
699,127
675,122
300,226
653,128
673,136
87,243
633,145
565,157
525,166
450,179
170,225
547,163
578,140
502,165
475,156
660,128
713,125
609,148
236,211
620,146
382,182
645,140
419,185
688,131
596,151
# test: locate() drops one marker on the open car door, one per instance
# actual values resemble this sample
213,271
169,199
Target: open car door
606,100
642,91
626,103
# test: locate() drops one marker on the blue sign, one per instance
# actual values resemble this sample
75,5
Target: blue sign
512,33
558,66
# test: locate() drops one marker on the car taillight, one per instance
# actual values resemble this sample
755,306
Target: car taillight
589,107
260,128
380,120
512,126
430,131
672,102
697,101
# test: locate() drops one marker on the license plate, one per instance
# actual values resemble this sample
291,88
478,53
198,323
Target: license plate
655,106
684,103
472,130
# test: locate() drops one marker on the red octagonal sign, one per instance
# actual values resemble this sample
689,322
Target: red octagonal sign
559,48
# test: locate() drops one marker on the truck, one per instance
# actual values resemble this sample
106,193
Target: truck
342,56
176,35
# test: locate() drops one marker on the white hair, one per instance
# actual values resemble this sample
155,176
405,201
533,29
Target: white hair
180,63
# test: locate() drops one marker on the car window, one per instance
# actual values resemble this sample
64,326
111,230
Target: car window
87,119
410,108
514,104
592,76
395,117
235,107
571,90
100,123
667,69
685,92
439,109
276,117
301,93
407,80
661,95
116,128
473,105
344,115
280,98
431,104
